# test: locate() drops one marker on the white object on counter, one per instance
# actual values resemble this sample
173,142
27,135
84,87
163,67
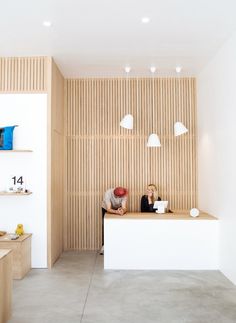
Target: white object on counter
194,212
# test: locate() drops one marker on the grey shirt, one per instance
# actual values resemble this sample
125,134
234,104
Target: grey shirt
115,201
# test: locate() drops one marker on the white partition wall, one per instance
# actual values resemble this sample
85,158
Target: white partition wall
217,148
29,111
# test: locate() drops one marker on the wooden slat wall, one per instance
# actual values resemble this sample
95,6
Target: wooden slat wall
23,74
100,154
56,157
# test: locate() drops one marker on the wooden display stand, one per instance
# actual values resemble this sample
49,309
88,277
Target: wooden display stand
21,253
5,284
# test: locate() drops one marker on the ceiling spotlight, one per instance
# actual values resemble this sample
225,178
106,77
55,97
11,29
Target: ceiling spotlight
127,69
153,69
178,69
145,20
47,23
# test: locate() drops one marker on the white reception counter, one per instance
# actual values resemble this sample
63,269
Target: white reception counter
161,241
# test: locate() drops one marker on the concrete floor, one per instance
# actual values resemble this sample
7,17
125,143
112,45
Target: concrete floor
77,289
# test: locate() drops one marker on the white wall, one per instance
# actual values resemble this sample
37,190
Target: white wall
217,148
29,111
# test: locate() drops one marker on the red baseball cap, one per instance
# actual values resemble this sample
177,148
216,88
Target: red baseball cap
120,191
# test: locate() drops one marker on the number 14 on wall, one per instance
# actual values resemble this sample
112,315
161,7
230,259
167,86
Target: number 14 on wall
17,180
17,183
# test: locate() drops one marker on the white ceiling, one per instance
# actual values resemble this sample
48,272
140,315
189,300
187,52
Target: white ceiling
100,37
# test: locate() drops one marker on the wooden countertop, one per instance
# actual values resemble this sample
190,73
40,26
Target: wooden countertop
6,237
4,252
176,215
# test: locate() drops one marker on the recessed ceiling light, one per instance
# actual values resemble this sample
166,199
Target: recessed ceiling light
47,23
178,69
145,20
153,69
127,69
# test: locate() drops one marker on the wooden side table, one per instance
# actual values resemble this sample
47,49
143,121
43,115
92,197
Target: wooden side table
5,284
21,255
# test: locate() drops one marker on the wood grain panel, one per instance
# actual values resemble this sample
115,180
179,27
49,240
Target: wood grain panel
23,74
21,251
5,285
56,144
100,154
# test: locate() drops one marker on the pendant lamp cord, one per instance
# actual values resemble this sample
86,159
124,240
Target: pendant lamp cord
127,92
178,119
152,102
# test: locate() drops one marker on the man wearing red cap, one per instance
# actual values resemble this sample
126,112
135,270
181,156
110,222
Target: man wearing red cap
115,200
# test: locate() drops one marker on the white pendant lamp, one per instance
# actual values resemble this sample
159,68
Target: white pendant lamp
153,139
127,121
179,129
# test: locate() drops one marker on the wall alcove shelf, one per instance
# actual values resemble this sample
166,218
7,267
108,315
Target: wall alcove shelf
15,193
17,151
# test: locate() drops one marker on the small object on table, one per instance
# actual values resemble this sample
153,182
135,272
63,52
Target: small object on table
19,230
14,236
2,233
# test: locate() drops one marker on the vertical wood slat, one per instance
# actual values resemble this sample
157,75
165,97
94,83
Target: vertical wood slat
23,74
101,155
56,160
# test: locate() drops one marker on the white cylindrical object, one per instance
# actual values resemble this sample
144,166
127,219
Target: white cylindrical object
127,122
194,212
153,141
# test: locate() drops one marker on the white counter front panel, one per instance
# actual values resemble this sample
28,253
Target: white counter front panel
161,244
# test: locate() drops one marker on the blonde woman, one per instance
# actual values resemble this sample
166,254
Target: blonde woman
147,201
